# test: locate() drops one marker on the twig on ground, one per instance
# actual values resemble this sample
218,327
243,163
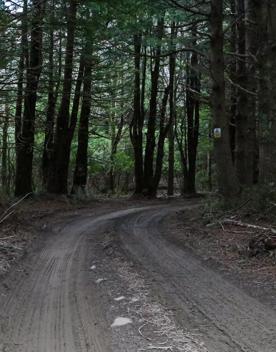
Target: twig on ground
6,238
251,226
152,347
140,332
10,246
220,223
8,213
5,217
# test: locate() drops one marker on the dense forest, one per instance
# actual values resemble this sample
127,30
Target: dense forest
137,97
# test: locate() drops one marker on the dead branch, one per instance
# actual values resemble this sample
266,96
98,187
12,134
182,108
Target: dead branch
250,226
6,216
8,212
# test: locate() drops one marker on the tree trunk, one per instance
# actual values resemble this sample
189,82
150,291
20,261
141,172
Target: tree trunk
227,180
272,88
245,117
24,162
163,131
151,127
51,108
264,96
23,63
58,178
80,173
171,135
115,140
136,128
241,111
4,159
233,77
252,9
192,110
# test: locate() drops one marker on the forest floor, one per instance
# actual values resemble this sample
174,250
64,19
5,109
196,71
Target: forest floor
126,275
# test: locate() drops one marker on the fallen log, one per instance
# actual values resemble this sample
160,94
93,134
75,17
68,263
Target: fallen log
251,226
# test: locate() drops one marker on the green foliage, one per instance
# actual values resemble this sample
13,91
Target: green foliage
123,162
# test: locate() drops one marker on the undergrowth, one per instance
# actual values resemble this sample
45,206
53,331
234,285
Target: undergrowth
256,204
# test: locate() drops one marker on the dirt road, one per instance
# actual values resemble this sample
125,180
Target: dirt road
111,282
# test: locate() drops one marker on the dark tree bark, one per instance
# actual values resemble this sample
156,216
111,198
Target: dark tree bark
24,160
192,113
233,77
51,105
136,128
271,70
23,63
4,147
252,9
171,135
241,111
264,95
143,87
227,179
80,173
151,126
163,132
115,140
58,177
245,113
77,97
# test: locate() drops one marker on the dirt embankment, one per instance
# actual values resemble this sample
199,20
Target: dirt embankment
21,224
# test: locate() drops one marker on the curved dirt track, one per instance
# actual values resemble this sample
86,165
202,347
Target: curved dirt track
57,303
226,318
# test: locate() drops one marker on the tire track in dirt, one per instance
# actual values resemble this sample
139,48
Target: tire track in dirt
54,307
226,317
58,307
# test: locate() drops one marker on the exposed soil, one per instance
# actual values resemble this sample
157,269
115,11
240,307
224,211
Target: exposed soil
112,277
35,218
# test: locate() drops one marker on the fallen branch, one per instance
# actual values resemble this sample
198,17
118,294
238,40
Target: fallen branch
6,245
8,213
6,238
250,226
141,333
5,217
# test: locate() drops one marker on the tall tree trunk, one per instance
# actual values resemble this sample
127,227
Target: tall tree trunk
80,173
58,178
23,63
151,127
252,10
227,179
112,152
24,162
115,140
264,95
171,135
4,159
192,111
143,89
51,108
245,118
163,131
233,77
136,128
272,89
